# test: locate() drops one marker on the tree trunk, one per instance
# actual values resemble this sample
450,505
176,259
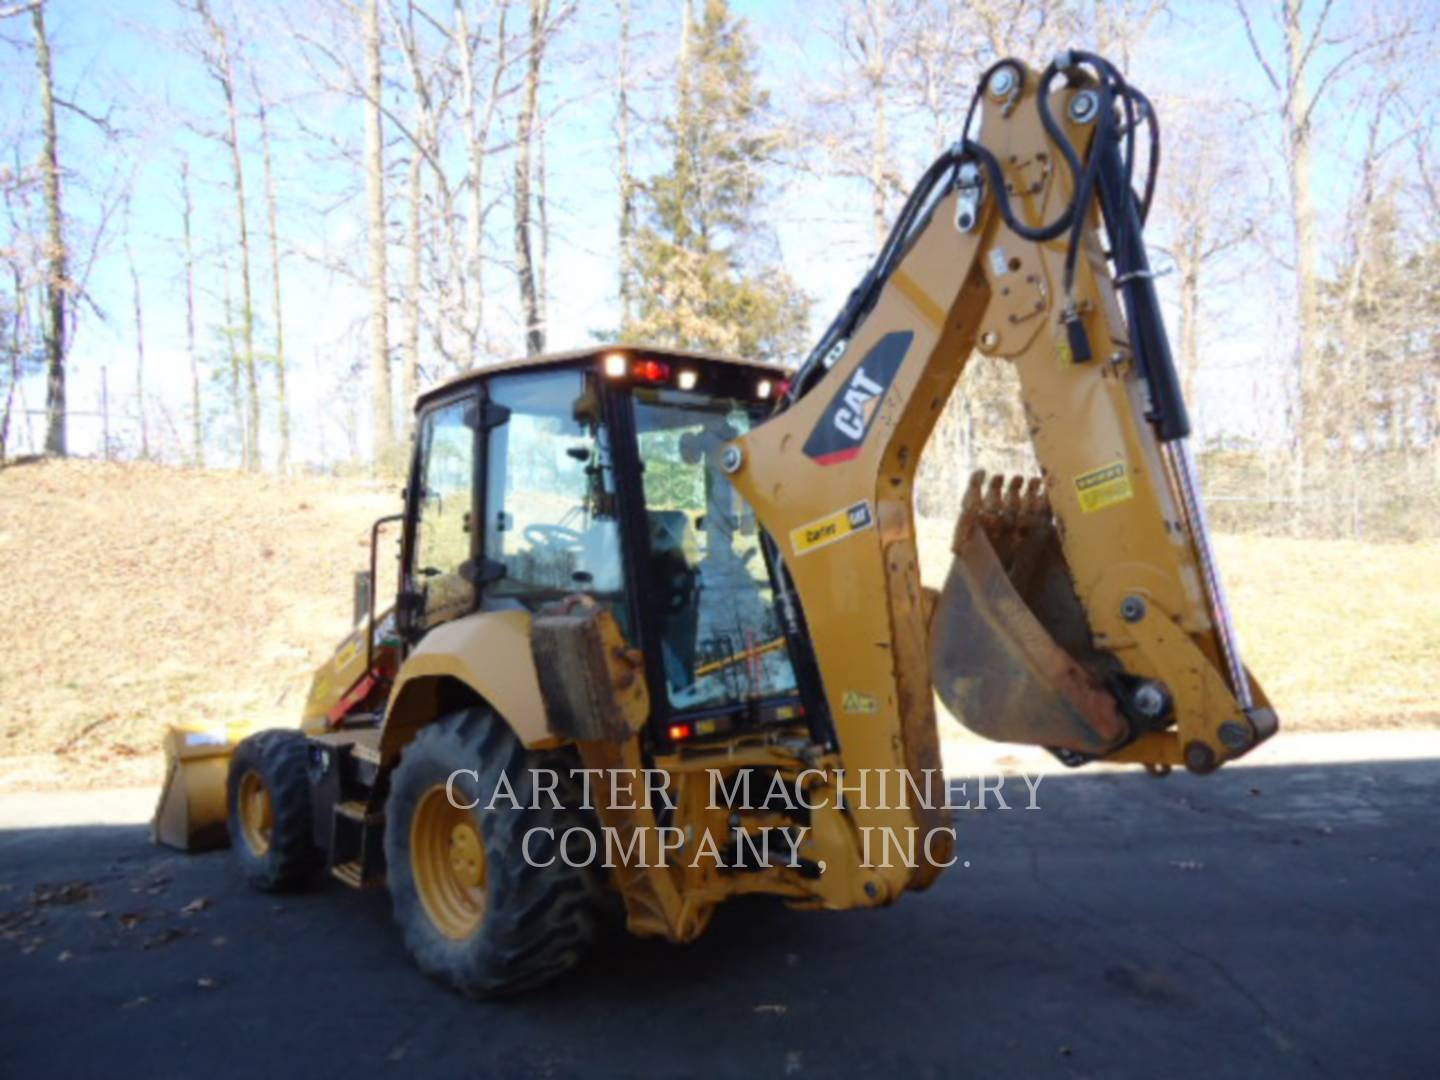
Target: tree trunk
197,448
410,373
57,256
477,138
282,402
236,403
382,406
1307,266
1188,257
542,220
139,354
876,74
224,72
627,187
524,133
879,152
17,348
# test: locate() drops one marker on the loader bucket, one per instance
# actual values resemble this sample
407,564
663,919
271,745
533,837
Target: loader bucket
191,814
1008,634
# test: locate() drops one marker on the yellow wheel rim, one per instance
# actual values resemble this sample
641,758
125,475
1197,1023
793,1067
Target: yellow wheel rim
257,813
447,857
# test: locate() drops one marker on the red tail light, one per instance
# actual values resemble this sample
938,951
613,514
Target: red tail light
650,371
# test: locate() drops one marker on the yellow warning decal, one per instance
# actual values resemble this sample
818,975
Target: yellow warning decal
856,702
831,527
1102,487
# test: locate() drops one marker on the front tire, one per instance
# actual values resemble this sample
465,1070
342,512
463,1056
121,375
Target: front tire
474,912
271,825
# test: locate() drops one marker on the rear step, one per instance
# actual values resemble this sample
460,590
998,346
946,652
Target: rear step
357,849
356,810
350,819
351,873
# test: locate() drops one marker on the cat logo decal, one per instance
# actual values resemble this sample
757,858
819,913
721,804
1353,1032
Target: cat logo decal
847,419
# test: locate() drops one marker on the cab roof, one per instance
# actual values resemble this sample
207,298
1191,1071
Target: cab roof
595,352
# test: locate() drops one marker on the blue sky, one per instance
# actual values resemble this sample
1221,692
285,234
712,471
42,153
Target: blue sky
123,56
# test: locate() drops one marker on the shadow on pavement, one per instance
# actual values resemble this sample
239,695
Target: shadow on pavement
1264,920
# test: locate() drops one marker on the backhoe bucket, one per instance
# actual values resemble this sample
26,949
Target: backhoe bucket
191,814
1008,634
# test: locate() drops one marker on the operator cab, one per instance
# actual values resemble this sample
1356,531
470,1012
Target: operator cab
598,473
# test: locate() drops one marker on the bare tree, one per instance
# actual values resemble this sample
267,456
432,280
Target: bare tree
197,440
433,81
382,404
277,308
1204,207
1315,54
232,355
141,414
869,35
57,279
524,134
477,123
623,78
427,146
219,59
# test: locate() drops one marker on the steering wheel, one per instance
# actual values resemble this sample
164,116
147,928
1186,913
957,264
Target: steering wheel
553,537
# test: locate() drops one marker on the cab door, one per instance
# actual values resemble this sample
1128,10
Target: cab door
551,524
443,544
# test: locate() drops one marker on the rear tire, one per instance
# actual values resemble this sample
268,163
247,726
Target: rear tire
271,825
473,911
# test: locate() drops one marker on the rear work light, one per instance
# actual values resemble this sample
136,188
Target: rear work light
680,732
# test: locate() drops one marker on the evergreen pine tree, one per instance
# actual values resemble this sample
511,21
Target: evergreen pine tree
707,275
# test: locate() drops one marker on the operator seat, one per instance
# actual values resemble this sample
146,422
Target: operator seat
674,587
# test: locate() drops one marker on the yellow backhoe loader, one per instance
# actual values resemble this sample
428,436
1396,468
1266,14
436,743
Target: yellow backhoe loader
660,636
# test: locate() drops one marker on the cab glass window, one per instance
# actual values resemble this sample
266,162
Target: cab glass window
550,493
721,637
441,559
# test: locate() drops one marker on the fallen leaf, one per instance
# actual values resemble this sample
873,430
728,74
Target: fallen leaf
200,903
163,938
1188,864
71,892
219,941
131,919
206,983
777,1010
65,954
135,1003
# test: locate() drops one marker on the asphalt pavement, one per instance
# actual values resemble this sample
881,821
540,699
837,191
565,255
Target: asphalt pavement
1265,921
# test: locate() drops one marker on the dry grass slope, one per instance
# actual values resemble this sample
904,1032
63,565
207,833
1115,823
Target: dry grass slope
133,595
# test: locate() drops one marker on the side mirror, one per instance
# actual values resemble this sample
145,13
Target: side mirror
586,408
364,586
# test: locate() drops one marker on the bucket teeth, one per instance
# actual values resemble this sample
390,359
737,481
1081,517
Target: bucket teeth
1014,500
970,506
1037,505
1007,508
